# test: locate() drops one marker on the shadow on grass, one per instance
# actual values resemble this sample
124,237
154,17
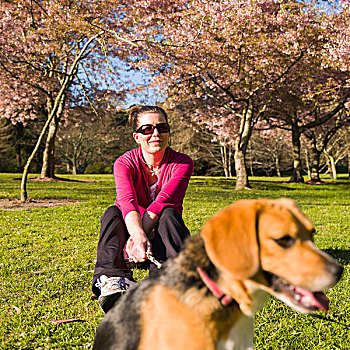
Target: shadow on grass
272,186
59,179
229,184
330,318
340,254
55,179
307,185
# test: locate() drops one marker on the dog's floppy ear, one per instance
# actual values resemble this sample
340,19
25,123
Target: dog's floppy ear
230,239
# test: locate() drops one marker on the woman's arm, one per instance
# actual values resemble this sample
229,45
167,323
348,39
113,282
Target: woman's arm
124,174
138,244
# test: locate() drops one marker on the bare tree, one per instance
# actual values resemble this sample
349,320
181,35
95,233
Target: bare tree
269,153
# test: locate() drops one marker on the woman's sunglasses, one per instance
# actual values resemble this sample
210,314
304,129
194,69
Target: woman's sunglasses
148,129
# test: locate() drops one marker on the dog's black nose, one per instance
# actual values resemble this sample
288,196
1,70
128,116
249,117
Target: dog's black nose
340,272
336,270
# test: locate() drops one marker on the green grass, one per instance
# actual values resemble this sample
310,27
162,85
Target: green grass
47,258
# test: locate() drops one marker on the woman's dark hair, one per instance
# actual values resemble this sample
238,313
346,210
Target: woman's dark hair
136,112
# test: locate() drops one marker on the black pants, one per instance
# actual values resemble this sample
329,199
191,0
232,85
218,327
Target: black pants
170,234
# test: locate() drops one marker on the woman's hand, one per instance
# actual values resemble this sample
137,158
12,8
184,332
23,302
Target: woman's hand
138,247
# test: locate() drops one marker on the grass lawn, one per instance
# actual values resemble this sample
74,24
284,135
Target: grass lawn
47,259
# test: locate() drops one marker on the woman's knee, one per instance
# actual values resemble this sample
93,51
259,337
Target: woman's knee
111,212
171,232
171,223
169,215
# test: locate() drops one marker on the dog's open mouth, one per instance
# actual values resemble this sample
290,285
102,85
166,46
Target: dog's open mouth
297,297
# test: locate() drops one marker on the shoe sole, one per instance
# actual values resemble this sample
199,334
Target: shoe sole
107,302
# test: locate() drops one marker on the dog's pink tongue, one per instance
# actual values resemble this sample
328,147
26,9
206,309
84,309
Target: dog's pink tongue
318,299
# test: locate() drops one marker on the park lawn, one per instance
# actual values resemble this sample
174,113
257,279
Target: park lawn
47,259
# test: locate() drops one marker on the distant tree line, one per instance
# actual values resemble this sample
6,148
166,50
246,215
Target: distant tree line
91,145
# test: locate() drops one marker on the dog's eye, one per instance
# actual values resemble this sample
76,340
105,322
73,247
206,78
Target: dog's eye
285,241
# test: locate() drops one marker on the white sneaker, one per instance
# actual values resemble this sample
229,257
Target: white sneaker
111,289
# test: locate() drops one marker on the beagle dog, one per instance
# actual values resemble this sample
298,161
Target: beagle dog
205,298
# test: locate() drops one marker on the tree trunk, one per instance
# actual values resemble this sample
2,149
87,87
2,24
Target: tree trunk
251,169
242,181
19,134
251,160
224,159
229,160
332,167
48,167
57,109
74,163
67,165
308,167
297,167
241,146
19,157
349,162
24,193
314,164
277,164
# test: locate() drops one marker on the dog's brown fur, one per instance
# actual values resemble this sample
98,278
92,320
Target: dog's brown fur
250,249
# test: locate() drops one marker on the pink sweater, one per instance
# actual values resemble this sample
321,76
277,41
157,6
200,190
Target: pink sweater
132,188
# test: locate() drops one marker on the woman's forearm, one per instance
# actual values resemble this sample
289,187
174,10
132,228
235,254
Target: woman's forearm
138,246
133,223
137,226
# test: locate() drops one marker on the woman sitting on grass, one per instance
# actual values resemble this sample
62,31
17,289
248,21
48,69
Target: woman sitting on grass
151,182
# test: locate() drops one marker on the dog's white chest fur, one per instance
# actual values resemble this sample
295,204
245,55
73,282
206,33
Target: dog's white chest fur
240,336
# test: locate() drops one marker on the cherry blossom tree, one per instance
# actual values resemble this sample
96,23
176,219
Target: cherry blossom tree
52,49
39,60
312,99
238,55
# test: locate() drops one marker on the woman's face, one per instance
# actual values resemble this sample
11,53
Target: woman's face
152,143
